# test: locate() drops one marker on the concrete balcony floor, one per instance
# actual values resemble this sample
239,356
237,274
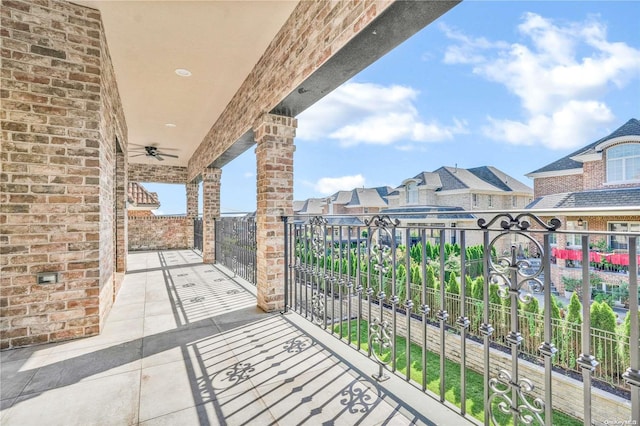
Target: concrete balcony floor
185,345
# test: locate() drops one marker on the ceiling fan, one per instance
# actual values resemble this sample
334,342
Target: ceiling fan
153,151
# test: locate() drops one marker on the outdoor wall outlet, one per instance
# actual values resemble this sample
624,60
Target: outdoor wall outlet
47,278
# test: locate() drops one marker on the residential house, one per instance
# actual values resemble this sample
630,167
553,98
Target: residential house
140,202
423,198
603,180
353,205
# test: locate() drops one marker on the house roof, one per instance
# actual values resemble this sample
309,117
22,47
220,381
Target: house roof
419,212
622,197
369,197
341,197
312,206
499,179
630,128
138,196
485,178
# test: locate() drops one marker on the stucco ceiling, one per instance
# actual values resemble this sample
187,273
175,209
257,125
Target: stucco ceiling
219,42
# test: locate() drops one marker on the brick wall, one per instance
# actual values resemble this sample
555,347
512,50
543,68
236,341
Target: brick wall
60,114
160,233
274,163
157,173
557,184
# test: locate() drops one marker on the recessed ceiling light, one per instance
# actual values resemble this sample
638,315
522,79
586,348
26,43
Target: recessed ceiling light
183,72
170,125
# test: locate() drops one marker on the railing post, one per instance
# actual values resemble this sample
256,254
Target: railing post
586,361
632,375
486,329
547,349
463,322
286,264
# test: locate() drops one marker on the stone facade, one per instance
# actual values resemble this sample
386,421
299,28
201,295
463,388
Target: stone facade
157,173
274,160
313,33
192,199
160,233
61,115
210,211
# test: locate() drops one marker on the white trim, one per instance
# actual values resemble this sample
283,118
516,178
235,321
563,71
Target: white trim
407,181
555,173
583,158
615,141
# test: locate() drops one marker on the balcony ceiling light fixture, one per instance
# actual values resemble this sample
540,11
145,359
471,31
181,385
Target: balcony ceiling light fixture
182,72
171,125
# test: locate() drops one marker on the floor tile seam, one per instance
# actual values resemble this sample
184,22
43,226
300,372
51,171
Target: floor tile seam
83,380
140,375
28,382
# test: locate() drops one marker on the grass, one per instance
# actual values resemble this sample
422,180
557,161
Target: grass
475,381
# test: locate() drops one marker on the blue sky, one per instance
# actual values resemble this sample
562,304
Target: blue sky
515,85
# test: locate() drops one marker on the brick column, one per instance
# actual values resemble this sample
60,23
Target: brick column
121,212
210,211
192,199
274,156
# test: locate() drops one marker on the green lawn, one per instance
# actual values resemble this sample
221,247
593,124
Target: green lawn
475,389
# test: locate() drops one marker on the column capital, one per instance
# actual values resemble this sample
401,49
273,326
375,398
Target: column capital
211,174
280,126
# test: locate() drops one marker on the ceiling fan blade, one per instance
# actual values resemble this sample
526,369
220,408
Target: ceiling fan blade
159,157
169,155
138,155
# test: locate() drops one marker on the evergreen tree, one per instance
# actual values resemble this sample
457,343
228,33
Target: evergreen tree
574,310
478,288
452,285
431,278
533,307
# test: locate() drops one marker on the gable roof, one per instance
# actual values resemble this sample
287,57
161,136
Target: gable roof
138,196
368,197
420,212
621,197
485,178
312,206
630,128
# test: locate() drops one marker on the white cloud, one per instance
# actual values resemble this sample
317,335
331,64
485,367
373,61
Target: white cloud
368,113
329,185
560,76
248,175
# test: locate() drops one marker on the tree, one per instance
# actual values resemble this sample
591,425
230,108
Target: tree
574,315
573,330
603,325
478,288
452,286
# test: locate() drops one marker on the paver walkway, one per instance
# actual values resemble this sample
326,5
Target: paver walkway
185,345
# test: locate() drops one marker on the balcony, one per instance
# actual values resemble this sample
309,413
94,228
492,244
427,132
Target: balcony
185,344
364,299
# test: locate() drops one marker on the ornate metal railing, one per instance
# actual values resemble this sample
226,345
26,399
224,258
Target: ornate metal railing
484,300
197,234
236,245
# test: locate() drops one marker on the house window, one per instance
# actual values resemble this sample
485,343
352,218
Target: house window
575,239
623,163
490,200
474,200
514,201
620,242
412,193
